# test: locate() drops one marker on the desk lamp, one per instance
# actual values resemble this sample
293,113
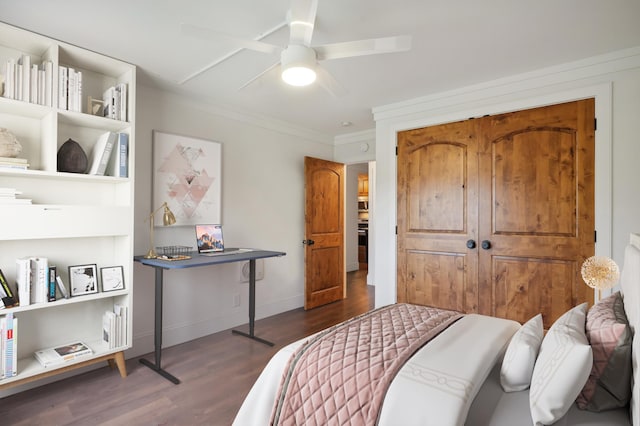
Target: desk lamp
168,219
600,272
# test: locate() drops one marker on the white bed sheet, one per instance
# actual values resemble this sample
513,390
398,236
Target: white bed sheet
494,407
436,387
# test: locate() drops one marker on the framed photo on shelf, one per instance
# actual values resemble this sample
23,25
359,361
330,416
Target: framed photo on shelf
187,175
83,279
112,278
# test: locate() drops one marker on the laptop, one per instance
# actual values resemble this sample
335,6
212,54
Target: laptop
210,241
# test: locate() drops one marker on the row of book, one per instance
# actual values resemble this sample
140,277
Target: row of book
37,281
69,89
114,326
110,155
8,346
14,163
115,102
29,82
10,196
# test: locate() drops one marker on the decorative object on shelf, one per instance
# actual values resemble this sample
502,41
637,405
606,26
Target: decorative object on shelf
112,278
187,173
168,219
600,272
9,145
83,279
72,158
95,106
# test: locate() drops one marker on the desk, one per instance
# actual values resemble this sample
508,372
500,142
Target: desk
198,260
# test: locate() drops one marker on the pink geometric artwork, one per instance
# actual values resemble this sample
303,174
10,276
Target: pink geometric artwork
186,174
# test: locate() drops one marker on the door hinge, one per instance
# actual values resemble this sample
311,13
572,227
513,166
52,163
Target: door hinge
396,229
396,151
595,236
595,124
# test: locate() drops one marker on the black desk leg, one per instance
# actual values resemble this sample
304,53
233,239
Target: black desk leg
252,306
158,333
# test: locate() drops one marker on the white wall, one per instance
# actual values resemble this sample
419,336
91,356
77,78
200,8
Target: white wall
262,207
614,81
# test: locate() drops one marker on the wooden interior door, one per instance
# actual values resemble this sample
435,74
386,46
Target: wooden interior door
519,188
537,210
325,273
437,216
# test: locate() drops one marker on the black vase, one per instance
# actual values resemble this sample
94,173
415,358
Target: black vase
71,158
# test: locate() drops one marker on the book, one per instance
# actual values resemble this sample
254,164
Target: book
109,329
23,280
39,279
118,163
62,87
101,153
121,312
62,354
8,299
9,342
51,284
62,287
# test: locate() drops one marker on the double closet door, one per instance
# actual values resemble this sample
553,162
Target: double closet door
496,214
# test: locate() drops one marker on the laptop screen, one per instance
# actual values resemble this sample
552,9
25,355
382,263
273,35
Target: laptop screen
209,238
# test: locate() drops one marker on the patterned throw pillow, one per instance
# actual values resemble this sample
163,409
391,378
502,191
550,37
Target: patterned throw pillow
608,331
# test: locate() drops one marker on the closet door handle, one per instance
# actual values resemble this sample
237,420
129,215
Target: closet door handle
471,244
486,244
308,242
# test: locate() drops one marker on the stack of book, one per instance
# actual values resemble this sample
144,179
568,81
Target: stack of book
62,354
14,163
69,89
114,326
8,346
115,102
37,281
29,82
9,196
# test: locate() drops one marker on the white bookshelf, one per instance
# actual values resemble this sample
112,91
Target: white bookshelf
75,219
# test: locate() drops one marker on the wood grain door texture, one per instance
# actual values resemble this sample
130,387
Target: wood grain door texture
325,273
496,215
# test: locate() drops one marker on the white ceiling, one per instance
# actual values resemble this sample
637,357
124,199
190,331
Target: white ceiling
455,43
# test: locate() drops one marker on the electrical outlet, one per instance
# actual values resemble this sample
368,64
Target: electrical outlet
236,300
243,271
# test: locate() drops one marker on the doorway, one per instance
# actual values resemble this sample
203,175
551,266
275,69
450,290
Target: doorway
357,212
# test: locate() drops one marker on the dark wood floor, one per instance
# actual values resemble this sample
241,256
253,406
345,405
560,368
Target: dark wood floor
216,371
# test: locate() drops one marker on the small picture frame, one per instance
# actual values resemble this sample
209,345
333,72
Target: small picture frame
112,278
95,106
83,279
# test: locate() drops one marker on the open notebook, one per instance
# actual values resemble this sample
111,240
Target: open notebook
210,241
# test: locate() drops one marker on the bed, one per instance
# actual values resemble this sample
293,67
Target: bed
473,370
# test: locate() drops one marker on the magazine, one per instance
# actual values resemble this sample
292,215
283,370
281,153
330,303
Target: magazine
63,353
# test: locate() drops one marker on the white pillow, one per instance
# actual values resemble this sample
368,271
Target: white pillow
521,354
562,367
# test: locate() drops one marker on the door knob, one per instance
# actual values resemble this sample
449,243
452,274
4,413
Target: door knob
471,244
308,242
486,244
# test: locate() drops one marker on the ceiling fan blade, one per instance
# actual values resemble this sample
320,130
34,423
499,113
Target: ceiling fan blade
328,82
271,70
255,44
372,46
302,18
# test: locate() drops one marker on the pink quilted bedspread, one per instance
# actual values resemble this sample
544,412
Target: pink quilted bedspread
340,376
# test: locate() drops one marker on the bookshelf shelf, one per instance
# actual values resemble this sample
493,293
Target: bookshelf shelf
74,219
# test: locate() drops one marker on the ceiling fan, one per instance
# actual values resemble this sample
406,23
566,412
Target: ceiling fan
298,62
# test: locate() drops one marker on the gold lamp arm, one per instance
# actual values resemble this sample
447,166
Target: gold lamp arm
167,219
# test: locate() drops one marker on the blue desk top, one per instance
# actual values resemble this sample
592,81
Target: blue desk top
199,260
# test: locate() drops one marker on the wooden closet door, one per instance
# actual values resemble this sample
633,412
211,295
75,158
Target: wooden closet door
437,215
536,210
518,185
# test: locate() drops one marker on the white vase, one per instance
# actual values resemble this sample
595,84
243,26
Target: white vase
9,145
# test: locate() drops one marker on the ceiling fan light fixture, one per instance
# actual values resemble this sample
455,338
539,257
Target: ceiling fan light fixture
298,65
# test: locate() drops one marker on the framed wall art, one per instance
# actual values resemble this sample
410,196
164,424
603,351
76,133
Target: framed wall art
187,175
83,279
112,278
